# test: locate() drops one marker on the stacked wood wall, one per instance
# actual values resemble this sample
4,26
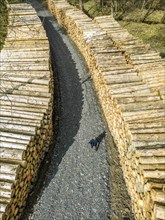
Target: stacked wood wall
129,81
26,89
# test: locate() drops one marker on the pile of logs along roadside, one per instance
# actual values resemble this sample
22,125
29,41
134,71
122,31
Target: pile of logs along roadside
129,79
26,99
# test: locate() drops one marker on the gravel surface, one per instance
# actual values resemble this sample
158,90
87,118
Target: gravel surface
75,186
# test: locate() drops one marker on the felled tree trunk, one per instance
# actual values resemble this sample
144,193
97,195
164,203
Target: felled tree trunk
81,5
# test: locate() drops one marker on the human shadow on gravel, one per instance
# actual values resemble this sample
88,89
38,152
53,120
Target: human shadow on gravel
95,142
99,139
68,102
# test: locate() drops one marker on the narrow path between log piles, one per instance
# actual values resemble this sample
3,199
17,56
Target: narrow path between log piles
76,183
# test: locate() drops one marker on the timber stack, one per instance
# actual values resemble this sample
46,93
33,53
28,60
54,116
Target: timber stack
129,80
26,98
145,60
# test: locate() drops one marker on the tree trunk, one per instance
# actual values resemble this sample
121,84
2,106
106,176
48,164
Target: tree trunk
81,5
163,19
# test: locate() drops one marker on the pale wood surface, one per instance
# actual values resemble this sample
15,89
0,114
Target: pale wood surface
25,107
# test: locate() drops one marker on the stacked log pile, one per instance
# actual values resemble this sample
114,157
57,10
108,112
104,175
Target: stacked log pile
145,60
131,101
25,107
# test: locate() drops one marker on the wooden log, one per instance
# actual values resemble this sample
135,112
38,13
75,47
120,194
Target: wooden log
121,79
128,98
36,45
22,20
12,140
26,54
26,93
155,137
24,86
7,187
30,130
19,114
131,116
7,144
151,125
17,103
128,91
30,74
15,135
7,178
9,168
22,13
150,152
153,185
26,109
25,99
159,212
3,207
152,166
152,160
13,64
11,155
147,144
158,196
1,215
148,130
17,121
142,106
156,174
25,67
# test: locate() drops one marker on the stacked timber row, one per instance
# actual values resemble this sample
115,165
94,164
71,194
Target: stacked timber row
145,60
131,97
25,107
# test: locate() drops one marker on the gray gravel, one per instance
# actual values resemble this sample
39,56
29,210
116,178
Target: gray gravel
75,186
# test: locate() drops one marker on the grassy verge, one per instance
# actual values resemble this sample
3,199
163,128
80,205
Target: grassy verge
3,22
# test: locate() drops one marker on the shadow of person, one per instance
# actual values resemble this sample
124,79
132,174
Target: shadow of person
99,139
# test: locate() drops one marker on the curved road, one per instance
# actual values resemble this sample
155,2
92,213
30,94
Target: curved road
75,184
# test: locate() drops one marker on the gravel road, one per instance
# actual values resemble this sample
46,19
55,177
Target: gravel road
75,184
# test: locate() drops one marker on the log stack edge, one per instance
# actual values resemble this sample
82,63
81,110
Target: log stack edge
129,79
26,99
